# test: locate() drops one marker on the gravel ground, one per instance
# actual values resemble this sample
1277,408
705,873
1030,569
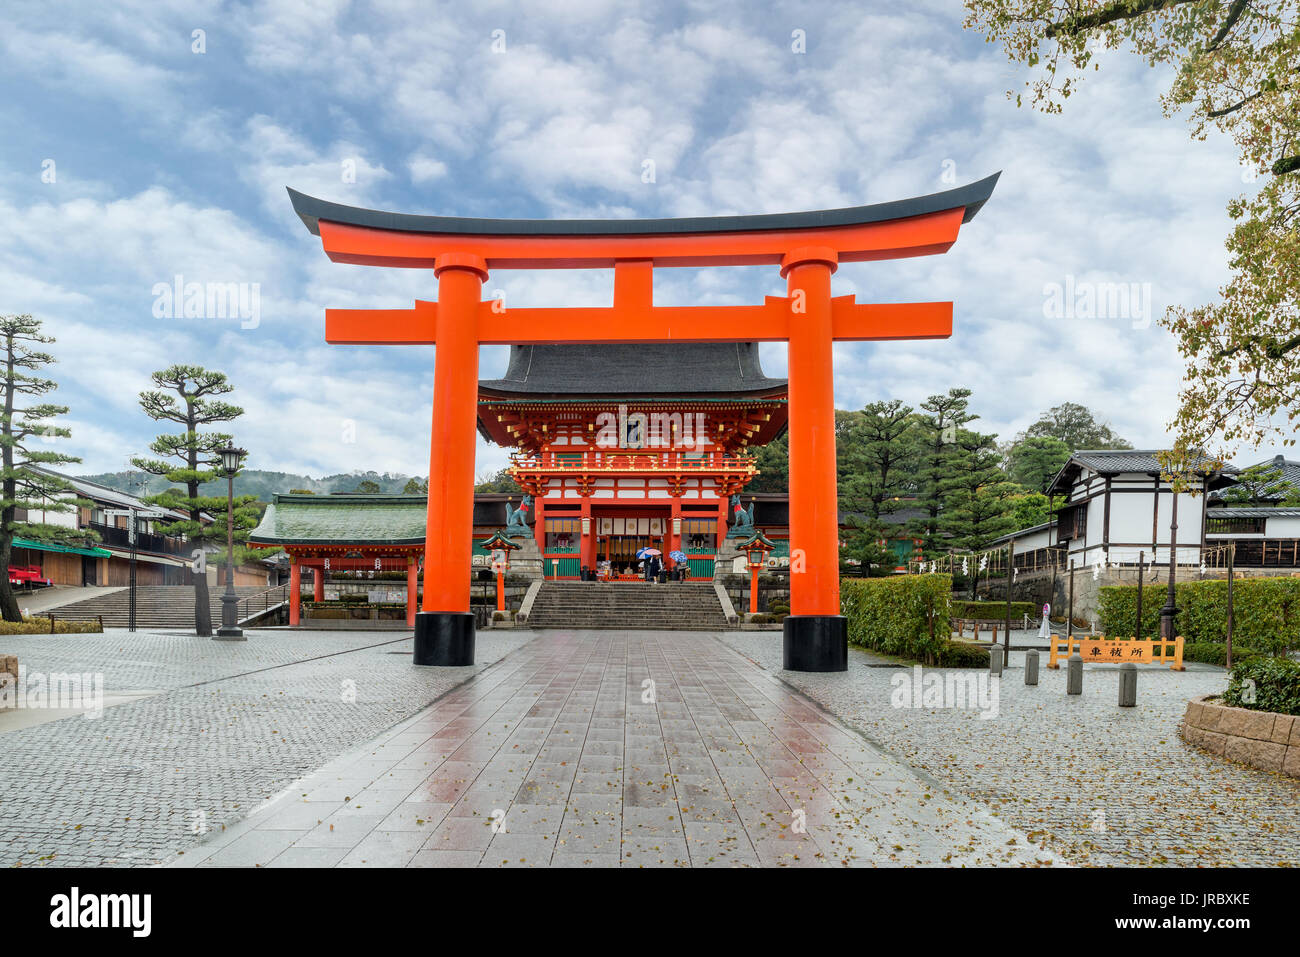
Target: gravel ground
233,725
1101,785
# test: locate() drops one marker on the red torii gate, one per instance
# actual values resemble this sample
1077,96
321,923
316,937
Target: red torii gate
807,246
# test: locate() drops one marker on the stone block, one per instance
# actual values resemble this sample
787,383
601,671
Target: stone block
1291,763
1264,755
1213,741
1282,729
1194,713
1210,715
1242,723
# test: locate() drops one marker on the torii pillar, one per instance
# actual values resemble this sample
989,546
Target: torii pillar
807,247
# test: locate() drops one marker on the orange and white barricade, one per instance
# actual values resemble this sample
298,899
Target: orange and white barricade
1099,648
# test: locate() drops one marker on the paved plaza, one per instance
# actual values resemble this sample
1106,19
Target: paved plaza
604,748
209,730
1102,785
661,749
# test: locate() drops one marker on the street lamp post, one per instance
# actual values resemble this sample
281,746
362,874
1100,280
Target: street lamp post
230,630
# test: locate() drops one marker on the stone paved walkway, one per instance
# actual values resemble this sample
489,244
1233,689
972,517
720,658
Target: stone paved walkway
1102,785
233,724
564,753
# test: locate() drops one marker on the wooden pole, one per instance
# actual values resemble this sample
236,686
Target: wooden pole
1069,614
1006,633
1137,628
1228,649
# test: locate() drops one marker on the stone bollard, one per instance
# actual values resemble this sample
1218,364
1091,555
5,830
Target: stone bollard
1128,685
995,660
1074,674
1031,667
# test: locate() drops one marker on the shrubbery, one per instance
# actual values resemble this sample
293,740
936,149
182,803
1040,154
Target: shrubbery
41,626
1266,612
1216,653
1265,684
957,654
906,615
994,610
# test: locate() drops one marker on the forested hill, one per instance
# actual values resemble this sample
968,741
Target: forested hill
258,482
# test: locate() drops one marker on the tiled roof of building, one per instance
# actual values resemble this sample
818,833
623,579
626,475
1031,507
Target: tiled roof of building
1116,461
342,520
102,494
1288,481
1130,460
641,370
362,519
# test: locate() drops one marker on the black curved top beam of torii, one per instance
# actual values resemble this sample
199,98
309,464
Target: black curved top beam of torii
971,197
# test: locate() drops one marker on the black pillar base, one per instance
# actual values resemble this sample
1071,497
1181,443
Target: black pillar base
816,643
444,638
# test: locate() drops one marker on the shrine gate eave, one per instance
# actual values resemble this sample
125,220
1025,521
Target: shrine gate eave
921,225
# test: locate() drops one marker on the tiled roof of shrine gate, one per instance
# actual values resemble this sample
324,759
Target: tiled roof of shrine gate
713,369
342,520
362,520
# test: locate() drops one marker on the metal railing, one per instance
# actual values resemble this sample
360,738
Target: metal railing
144,541
262,602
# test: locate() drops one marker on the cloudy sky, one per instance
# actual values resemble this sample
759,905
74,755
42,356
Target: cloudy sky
135,150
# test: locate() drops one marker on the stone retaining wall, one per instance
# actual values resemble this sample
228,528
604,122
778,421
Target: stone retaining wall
1260,739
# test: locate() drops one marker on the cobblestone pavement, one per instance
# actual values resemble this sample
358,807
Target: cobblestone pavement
618,748
235,723
1103,785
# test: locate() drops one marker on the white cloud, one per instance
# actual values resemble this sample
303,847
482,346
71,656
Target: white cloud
560,124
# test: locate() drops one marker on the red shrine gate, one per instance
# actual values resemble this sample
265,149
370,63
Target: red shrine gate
806,246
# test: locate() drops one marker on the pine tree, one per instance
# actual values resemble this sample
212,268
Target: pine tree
978,503
938,434
878,459
187,395
23,482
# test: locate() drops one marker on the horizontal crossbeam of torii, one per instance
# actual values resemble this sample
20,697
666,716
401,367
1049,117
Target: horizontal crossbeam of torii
807,247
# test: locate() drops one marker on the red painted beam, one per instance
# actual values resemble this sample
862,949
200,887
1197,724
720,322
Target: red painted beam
922,235
640,322
382,327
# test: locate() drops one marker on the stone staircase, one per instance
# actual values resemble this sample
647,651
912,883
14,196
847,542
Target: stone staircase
156,606
628,606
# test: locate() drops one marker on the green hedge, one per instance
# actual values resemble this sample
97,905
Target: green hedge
1276,685
994,610
1216,653
958,654
906,615
1266,611
41,626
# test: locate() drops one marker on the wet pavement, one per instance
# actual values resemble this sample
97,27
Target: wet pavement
619,749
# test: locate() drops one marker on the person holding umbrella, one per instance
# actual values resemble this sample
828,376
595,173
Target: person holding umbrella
680,564
651,559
